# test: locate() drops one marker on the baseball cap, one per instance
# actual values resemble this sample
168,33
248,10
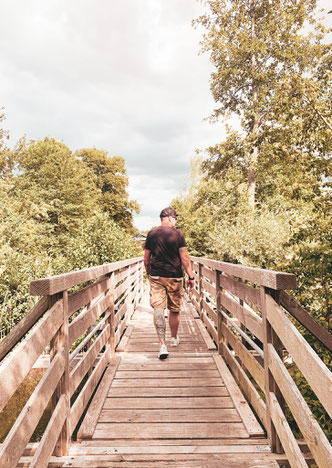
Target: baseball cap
169,211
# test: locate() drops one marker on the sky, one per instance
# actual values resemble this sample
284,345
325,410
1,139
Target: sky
124,76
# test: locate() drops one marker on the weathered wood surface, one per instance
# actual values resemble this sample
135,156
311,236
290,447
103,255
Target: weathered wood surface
183,411
306,319
23,326
55,284
268,278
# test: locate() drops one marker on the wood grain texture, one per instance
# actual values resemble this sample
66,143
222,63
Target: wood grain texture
23,327
268,278
90,419
247,293
312,367
312,432
247,416
55,284
306,319
17,365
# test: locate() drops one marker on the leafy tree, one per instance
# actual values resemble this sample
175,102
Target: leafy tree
55,187
265,65
112,181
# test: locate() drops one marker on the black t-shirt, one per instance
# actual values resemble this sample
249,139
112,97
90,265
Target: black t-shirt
164,243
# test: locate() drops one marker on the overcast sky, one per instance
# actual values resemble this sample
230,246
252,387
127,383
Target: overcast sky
119,75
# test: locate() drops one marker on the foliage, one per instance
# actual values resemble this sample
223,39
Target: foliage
51,221
112,181
261,197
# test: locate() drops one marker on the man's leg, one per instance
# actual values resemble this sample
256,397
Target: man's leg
174,321
158,303
160,324
174,300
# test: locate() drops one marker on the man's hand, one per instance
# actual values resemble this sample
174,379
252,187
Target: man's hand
190,284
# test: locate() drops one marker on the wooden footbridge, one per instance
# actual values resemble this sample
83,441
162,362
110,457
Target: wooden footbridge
219,400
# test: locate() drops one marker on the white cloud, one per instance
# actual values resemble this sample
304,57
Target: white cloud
123,76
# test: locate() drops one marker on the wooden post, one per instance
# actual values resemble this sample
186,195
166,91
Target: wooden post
110,292
61,341
218,308
269,336
200,301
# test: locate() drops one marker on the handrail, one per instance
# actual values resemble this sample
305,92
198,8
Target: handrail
241,308
81,329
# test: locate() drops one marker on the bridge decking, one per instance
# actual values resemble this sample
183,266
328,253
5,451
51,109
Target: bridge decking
185,411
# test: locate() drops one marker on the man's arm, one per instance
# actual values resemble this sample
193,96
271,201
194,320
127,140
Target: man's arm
147,254
187,266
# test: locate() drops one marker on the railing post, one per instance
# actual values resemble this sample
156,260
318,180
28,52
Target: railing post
200,301
61,341
269,336
110,292
218,308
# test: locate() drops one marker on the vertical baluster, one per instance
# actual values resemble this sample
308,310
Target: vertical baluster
110,292
270,336
61,341
218,308
200,291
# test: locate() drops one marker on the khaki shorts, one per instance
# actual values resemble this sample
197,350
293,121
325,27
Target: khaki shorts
166,292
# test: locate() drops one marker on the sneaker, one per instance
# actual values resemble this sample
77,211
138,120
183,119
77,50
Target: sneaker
166,313
175,341
163,353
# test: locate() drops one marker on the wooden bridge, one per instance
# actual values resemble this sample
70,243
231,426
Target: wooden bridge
114,404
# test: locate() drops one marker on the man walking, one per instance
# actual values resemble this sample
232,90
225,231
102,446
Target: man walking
165,252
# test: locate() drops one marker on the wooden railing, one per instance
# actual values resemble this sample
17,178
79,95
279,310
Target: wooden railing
80,331
246,312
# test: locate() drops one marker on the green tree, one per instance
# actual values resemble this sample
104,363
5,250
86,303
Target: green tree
112,180
265,65
55,187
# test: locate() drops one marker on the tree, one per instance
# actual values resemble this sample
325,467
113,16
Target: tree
112,180
55,187
264,62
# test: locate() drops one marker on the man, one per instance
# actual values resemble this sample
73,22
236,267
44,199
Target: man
165,252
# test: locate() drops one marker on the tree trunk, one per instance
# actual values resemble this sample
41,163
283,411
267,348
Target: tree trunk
255,129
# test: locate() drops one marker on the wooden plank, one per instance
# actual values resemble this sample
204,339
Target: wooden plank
123,287
116,415
247,359
209,274
206,337
153,430
17,365
219,443
211,313
55,284
85,319
268,278
311,430
191,460
186,447
89,387
306,319
249,319
19,435
170,392
311,366
242,291
208,287
120,314
285,434
210,326
98,326
249,390
125,338
194,382
22,327
247,416
174,366
90,419
157,374
85,364
50,436
168,402
84,296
